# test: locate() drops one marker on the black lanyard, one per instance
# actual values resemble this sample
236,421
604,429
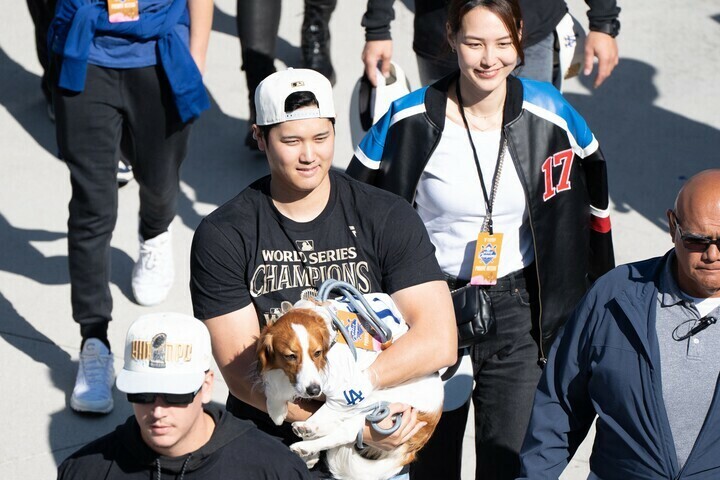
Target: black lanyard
487,223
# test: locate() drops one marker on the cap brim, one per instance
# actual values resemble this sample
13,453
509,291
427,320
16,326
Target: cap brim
145,382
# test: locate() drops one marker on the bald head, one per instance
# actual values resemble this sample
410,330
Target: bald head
701,190
697,216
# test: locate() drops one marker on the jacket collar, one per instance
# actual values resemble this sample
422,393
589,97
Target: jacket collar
437,94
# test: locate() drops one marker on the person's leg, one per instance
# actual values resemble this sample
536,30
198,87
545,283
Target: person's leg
88,127
538,60
315,42
506,377
88,130
258,22
441,457
160,141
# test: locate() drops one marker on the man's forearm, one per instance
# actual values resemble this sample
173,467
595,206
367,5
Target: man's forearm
377,18
416,354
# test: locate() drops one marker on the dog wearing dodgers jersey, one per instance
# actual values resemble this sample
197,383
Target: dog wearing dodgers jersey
299,358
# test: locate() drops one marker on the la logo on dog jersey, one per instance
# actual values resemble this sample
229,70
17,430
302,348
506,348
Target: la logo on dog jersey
352,397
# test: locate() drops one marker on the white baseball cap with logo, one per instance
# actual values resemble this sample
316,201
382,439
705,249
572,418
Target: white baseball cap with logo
165,353
272,92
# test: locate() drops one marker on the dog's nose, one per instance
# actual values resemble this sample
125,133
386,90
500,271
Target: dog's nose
313,390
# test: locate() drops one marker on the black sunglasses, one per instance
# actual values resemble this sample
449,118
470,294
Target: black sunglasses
694,242
169,398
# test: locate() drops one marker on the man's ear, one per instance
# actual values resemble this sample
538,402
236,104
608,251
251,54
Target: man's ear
207,387
257,135
672,224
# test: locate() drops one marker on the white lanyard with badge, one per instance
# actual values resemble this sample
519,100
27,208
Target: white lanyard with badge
487,250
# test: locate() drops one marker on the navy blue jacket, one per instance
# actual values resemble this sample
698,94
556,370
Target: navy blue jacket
607,362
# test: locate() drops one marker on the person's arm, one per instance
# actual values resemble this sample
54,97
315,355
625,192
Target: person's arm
602,255
378,42
233,338
562,412
431,342
201,15
600,42
429,345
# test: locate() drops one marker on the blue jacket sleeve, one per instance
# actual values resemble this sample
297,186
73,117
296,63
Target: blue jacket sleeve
562,412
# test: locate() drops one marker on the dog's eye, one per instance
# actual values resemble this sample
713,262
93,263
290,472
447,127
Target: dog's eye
317,354
290,357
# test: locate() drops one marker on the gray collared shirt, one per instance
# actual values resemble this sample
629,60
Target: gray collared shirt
690,367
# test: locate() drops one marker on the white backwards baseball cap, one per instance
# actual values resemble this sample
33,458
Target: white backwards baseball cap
272,92
165,353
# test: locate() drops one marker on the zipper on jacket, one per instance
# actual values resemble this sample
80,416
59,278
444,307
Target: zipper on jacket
542,360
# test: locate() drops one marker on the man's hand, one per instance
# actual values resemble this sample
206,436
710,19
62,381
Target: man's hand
604,47
408,428
377,52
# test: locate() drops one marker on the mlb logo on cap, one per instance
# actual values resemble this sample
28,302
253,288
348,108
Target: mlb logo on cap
165,353
272,92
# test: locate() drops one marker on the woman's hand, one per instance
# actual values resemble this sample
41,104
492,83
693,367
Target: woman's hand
408,428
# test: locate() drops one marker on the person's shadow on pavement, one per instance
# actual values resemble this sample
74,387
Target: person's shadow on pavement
650,151
67,431
23,258
22,97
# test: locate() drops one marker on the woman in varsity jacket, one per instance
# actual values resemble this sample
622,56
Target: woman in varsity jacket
504,162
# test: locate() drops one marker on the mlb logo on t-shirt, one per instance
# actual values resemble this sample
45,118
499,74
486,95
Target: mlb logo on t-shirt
305,245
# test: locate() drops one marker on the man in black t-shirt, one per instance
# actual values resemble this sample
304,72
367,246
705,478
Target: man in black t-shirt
280,238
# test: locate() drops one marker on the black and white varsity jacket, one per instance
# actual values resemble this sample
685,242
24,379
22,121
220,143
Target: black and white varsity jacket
560,166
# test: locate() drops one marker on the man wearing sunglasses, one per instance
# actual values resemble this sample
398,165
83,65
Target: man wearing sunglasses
641,352
175,433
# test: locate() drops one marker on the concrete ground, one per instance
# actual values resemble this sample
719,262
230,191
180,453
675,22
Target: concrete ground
656,119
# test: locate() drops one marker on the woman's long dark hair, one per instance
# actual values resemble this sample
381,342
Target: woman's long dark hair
508,11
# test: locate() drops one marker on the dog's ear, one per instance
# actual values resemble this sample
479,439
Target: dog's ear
285,306
264,350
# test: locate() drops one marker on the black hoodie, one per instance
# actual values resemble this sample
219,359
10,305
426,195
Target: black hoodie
236,450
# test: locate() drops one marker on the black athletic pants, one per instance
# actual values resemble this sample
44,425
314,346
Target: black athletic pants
89,127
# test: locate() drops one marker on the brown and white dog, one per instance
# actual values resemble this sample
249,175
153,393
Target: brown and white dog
298,358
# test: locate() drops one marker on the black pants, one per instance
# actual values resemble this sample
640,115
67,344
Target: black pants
257,23
89,126
506,376
42,13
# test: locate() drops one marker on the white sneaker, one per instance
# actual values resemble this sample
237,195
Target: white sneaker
124,173
95,377
154,272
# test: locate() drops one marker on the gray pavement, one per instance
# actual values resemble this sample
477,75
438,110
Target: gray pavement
656,119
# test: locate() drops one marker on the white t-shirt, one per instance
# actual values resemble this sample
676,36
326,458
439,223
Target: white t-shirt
450,202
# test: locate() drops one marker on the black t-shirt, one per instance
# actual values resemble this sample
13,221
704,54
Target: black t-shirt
247,251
